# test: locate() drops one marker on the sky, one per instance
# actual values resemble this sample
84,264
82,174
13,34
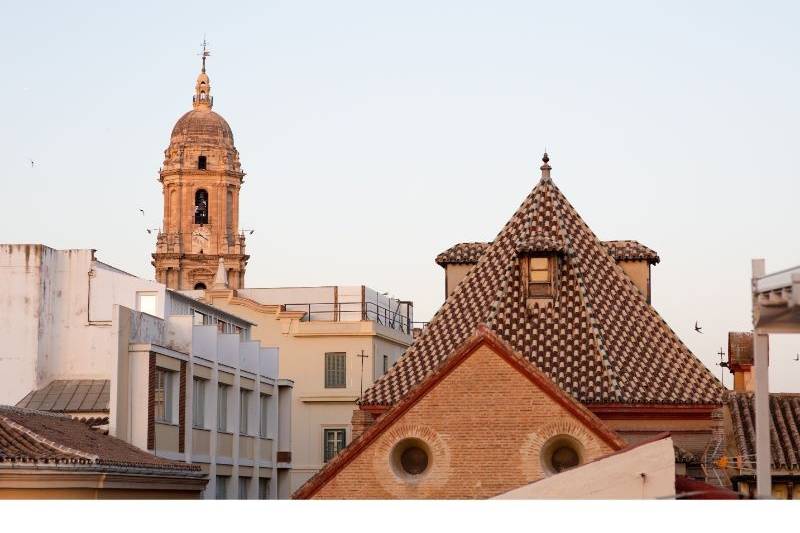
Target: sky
375,135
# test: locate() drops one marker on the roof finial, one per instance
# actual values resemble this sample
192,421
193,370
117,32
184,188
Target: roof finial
202,98
546,167
206,52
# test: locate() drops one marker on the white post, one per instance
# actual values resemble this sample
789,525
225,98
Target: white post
763,454
761,356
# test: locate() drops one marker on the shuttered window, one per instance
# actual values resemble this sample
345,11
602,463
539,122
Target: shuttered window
199,403
334,442
335,370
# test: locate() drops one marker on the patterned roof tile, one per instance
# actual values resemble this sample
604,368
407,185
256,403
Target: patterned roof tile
600,340
784,428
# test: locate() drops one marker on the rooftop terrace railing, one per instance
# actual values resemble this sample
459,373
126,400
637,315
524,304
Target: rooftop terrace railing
399,318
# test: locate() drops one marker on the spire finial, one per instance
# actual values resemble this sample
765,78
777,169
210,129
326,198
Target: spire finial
545,168
206,52
202,92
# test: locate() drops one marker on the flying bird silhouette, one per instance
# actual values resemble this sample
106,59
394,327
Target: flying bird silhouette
698,328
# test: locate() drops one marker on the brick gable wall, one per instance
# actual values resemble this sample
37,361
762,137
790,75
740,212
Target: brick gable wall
485,424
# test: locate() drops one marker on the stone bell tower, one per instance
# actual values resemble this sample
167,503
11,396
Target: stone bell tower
200,179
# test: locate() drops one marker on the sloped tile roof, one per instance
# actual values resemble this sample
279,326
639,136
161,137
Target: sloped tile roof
784,428
28,436
631,251
462,253
70,396
600,341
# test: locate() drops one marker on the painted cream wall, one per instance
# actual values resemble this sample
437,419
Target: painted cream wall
644,472
302,346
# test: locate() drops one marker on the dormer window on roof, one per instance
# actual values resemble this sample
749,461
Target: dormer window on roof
539,258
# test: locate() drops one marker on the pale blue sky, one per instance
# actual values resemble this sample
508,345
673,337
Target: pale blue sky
375,135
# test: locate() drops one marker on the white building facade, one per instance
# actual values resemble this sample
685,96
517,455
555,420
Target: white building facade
185,381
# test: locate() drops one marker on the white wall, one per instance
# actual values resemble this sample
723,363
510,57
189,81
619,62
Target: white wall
57,308
645,471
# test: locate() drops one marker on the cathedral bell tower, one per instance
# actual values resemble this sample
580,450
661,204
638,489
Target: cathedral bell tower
200,179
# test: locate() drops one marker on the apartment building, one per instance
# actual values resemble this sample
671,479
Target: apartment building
335,341
164,372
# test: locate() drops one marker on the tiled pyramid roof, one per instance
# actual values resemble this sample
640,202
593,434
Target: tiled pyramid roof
600,341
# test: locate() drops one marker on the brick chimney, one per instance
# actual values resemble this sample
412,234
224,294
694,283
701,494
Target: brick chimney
360,422
740,360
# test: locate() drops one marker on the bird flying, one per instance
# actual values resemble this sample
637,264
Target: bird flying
698,328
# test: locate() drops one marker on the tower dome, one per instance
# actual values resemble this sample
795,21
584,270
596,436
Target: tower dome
201,178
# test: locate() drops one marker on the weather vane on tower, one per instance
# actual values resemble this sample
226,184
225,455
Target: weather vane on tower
206,52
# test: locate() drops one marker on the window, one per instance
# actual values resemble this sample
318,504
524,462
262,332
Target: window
222,407
334,442
198,402
335,372
146,302
263,416
201,162
244,486
540,269
201,207
164,395
244,408
385,364
200,286
222,487
540,277
263,488
198,318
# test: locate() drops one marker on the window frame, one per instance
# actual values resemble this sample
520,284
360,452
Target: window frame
244,411
223,390
335,373
339,443
165,383
263,488
263,416
199,402
222,483
244,483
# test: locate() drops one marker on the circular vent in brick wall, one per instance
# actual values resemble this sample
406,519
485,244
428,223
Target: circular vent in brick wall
560,453
411,458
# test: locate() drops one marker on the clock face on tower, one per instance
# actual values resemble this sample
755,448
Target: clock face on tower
201,240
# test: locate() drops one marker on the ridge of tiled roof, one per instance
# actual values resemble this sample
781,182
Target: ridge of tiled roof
600,340
621,250
462,253
70,396
540,243
38,437
784,427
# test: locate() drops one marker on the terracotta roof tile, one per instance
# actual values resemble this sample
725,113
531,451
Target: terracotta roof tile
462,253
28,436
631,251
784,427
70,396
600,340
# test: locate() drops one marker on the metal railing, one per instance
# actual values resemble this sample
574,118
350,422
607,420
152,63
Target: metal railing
397,318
